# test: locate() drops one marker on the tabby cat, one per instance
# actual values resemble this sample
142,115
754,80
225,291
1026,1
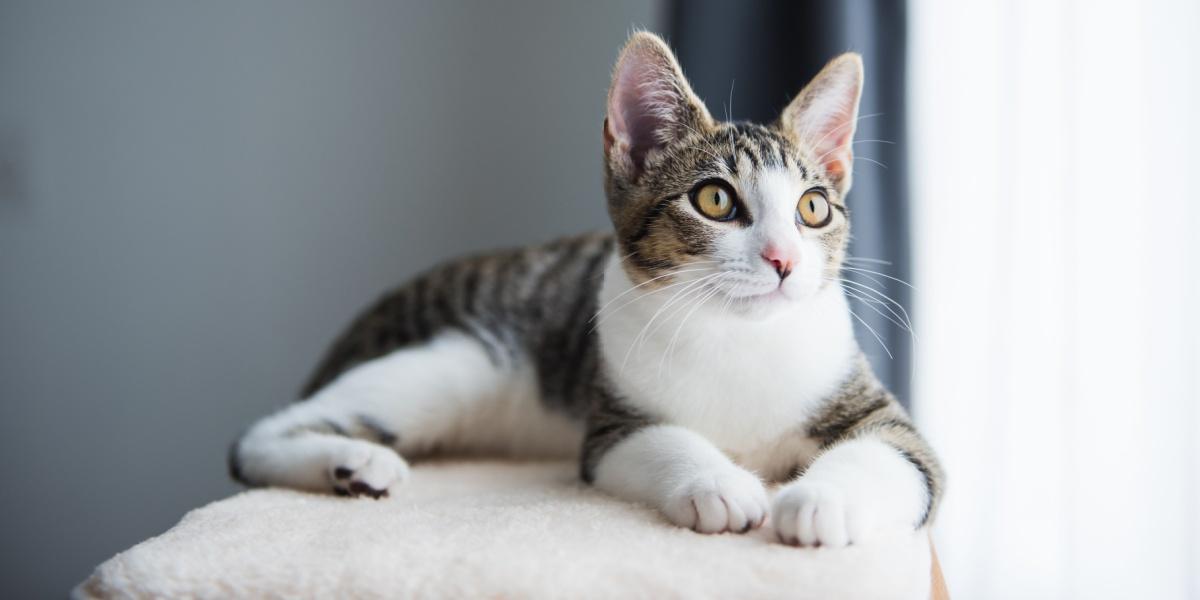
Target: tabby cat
701,349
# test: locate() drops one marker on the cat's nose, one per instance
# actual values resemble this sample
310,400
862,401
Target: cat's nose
779,261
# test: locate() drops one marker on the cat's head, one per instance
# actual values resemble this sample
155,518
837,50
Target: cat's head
756,212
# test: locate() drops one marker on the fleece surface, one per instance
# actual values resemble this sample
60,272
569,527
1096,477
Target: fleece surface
487,529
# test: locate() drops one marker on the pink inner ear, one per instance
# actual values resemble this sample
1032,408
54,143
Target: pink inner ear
641,122
824,115
837,156
831,134
642,105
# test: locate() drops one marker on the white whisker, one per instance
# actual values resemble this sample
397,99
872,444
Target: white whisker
652,280
695,306
870,160
860,259
869,303
872,330
870,291
637,340
870,272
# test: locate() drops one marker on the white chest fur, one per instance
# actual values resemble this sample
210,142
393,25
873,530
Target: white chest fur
739,381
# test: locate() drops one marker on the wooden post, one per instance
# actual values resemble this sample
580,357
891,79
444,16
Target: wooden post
938,591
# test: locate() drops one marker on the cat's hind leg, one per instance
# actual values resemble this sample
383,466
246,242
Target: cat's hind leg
350,436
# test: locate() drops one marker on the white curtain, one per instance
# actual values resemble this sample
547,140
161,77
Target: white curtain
1057,238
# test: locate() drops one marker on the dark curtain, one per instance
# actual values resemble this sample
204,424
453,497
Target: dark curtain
748,59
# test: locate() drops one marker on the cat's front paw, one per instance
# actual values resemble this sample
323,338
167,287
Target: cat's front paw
816,513
850,493
714,502
366,469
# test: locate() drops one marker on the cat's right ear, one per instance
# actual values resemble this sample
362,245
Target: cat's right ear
824,114
650,105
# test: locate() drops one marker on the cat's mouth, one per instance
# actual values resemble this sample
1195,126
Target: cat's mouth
770,297
774,295
743,292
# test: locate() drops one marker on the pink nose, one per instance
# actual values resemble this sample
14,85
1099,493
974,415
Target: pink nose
779,260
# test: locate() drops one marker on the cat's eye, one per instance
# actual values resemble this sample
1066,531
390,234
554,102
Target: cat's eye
813,209
715,201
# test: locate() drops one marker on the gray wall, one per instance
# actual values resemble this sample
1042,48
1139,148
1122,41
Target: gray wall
195,197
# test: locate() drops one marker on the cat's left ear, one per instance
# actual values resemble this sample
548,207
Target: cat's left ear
823,116
650,105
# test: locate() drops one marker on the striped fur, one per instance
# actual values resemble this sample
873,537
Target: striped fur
862,407
544,349
527,304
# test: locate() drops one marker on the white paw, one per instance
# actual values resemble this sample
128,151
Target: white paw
850,493
726,500
816,513
363,468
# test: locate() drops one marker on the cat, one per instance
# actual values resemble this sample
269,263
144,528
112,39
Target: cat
701,348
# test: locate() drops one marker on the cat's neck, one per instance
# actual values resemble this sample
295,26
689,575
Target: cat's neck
787,361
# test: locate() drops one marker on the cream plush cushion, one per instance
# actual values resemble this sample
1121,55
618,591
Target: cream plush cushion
487,529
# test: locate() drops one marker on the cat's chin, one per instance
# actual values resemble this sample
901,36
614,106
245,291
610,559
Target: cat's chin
777,301
762,306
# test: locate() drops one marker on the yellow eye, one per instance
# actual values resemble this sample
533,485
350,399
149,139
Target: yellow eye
814,209
715,201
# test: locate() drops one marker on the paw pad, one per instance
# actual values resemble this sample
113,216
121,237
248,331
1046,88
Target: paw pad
366,469
358,488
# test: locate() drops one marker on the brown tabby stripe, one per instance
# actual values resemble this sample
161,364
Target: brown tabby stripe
609,422
862,406
535,303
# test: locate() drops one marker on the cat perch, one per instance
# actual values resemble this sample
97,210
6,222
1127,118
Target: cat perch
489,529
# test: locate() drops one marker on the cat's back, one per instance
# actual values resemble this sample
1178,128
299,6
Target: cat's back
528,303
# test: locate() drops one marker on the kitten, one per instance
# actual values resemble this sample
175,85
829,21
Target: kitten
700,349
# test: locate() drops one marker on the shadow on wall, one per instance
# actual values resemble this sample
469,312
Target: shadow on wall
13,195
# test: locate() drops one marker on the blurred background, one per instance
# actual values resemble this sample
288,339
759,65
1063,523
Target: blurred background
196,197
